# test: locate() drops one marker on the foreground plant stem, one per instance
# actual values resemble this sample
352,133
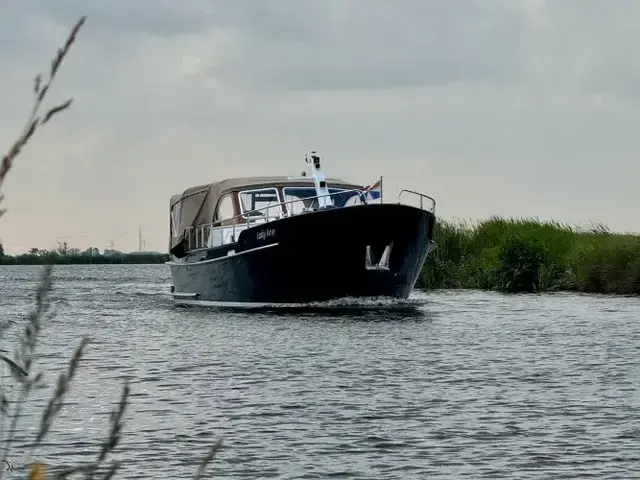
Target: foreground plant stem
21,367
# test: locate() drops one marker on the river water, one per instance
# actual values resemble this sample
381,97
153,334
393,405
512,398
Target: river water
452,384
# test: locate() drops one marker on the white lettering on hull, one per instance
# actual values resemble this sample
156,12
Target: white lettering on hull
265,234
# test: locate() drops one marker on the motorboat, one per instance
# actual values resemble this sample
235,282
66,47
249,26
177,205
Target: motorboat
263,241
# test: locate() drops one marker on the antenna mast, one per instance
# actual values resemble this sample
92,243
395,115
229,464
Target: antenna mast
141,242
320,181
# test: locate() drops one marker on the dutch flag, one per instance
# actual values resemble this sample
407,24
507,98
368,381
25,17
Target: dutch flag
374,191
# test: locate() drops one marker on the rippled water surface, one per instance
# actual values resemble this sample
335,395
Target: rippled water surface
449,385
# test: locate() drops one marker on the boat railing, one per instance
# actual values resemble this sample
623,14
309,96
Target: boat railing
422,199
198,236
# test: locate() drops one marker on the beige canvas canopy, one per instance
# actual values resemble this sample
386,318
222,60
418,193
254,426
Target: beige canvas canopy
196,205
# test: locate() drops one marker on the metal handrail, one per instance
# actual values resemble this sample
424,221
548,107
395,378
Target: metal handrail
202,231
422,196
248,220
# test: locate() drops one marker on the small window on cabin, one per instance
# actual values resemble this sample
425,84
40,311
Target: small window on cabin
262,203
175,219
225,208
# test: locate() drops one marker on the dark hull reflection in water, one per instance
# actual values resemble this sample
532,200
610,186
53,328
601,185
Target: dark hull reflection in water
449,385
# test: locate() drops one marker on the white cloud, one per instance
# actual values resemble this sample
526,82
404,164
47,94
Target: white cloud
496,106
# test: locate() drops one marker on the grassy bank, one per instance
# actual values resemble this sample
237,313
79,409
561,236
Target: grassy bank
532,256
44,257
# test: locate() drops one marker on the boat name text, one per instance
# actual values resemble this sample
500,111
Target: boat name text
264,234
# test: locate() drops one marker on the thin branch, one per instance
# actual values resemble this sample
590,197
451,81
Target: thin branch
40,93
64,381
26,354
208,459
43,311
107,446
55,110
17,368
116,424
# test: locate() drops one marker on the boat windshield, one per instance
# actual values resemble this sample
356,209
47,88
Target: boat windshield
263,203
301,198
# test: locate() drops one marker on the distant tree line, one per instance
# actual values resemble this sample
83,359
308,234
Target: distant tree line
65,255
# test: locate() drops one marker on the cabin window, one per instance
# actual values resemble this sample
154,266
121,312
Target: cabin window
260,204
175,219
225,208
300,199
303,198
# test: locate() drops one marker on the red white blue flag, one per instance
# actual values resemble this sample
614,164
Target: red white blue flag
373,191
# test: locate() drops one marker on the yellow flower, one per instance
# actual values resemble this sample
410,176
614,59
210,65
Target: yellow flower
37,472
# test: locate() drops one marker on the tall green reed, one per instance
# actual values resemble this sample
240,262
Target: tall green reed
528,255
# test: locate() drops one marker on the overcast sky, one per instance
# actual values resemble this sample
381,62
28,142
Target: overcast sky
496,107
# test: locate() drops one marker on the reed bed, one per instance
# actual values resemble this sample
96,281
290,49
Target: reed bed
528,255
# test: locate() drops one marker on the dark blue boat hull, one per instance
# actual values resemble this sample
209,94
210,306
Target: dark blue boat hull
311,257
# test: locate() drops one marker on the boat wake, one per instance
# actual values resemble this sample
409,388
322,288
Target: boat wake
347,305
